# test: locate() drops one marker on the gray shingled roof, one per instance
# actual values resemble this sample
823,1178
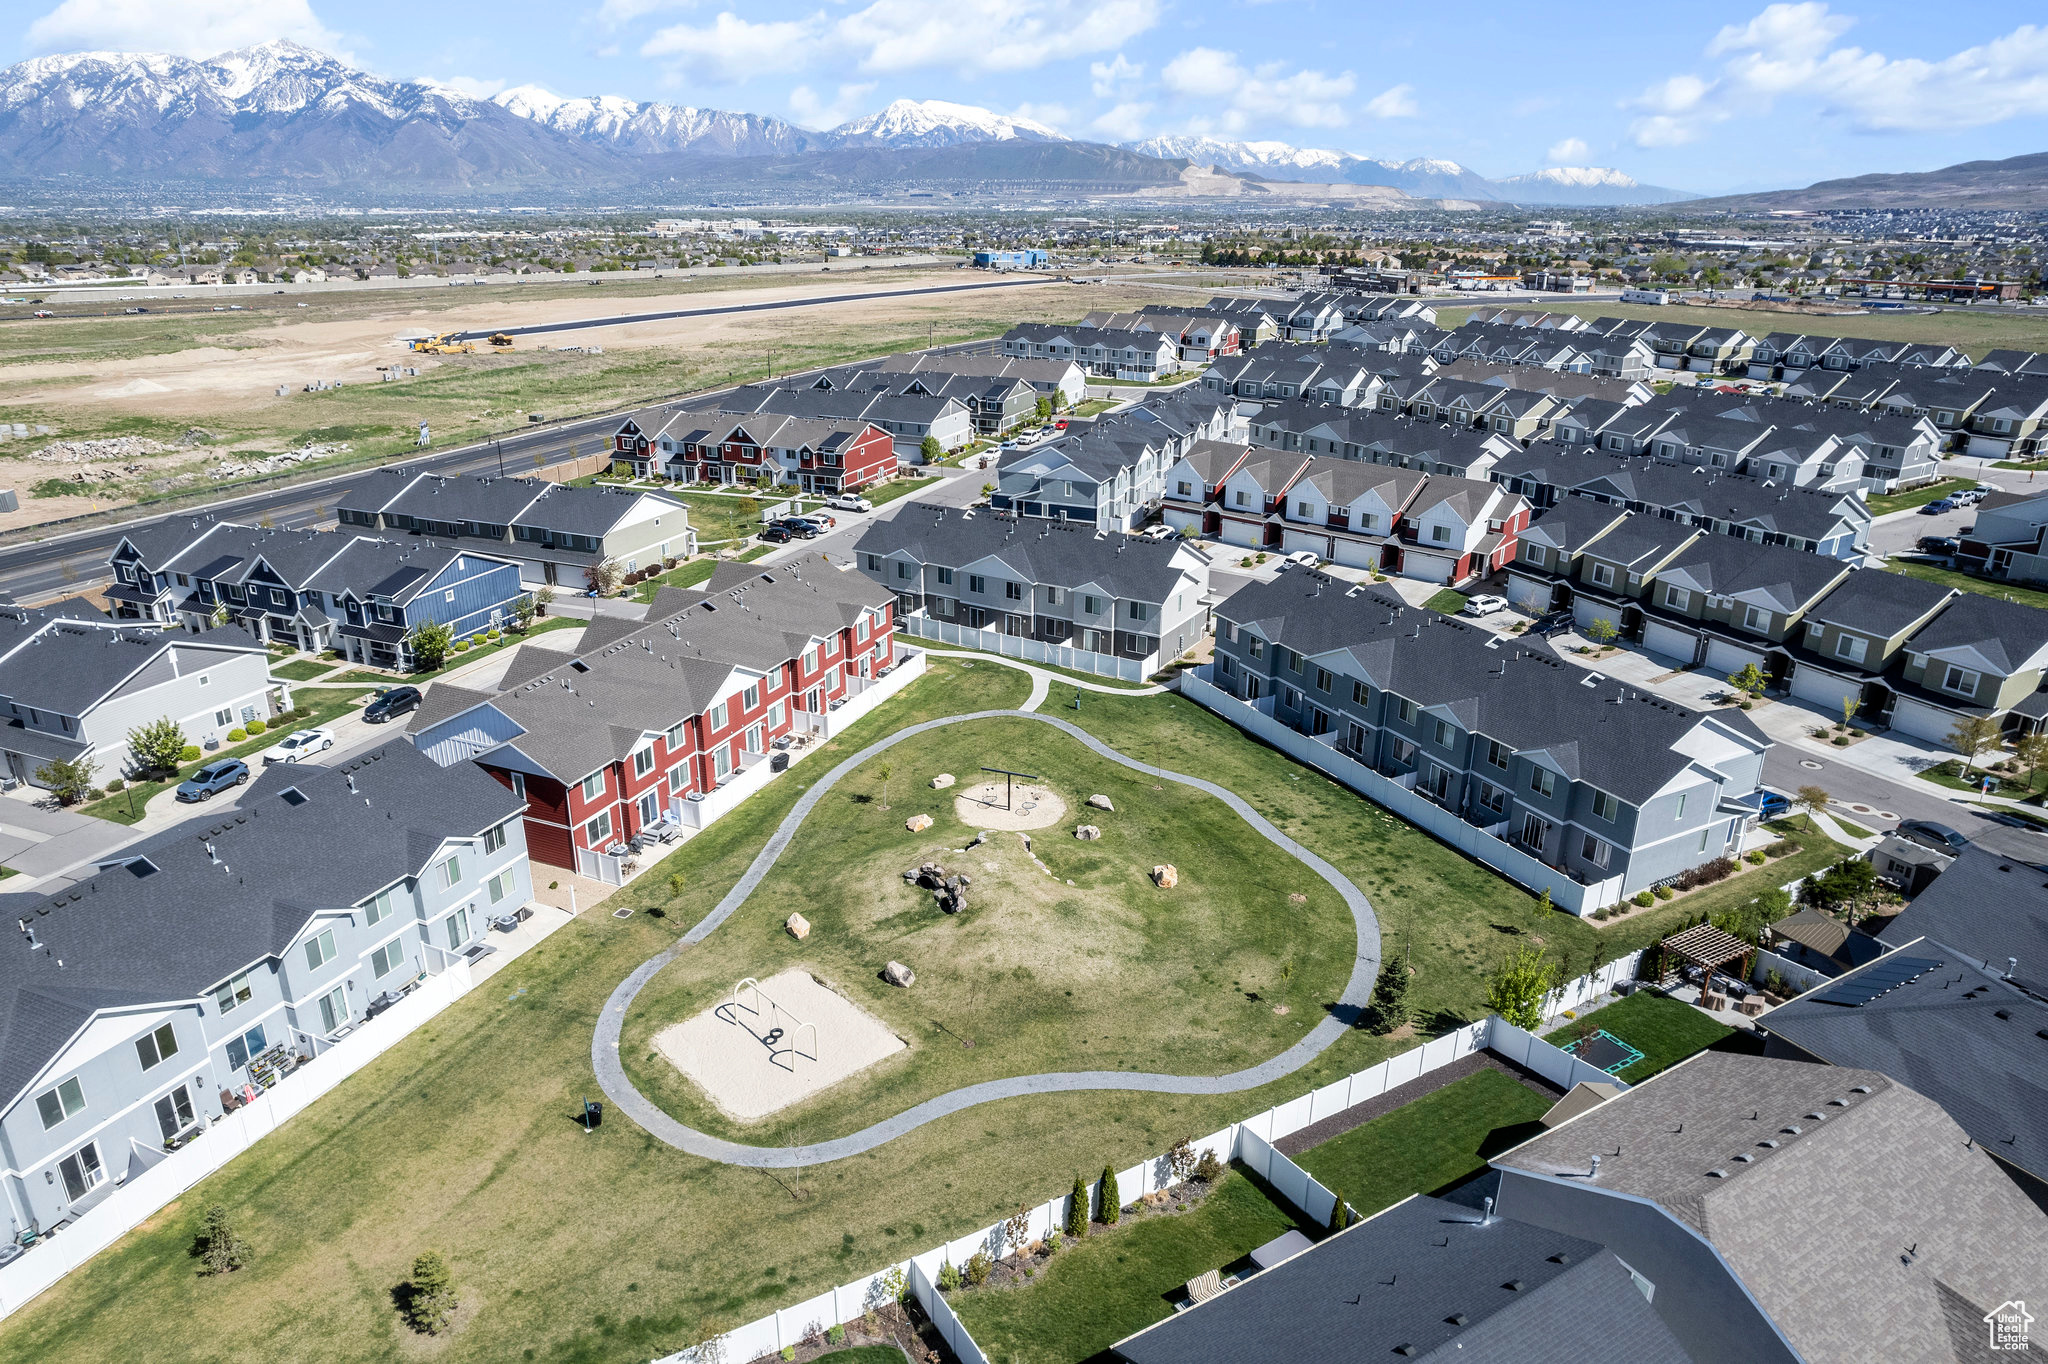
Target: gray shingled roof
1036,550
1424,1279
2006,633
1879,603
129,939
1985,905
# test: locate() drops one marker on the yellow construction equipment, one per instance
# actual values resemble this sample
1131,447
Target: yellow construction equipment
501,339
444,344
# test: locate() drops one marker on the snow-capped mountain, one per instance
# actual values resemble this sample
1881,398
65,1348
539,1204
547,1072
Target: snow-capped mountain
1584,185
935,123
1270,159
652,129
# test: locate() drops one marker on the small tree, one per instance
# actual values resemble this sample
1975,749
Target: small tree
1112,1200
1045,409
1751,681
523,614
1972,735
1181,1161
1340,1213
158,745
931,450
1390,998
1016,1231
987,491
1077,1208
1517,987
221,1251
1813,800
605,576
1850,705
430,641
2032,751
887,771
67,778
1602,631
430,1294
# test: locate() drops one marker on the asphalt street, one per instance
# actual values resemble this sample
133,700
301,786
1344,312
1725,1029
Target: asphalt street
1787,769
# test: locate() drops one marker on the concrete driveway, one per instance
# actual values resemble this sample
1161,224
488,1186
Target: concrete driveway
38,842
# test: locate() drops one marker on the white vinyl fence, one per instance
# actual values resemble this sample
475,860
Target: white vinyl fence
1250,1142
145,1193
1030,650
1320,752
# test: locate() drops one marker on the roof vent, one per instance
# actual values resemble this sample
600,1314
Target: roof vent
1859,1089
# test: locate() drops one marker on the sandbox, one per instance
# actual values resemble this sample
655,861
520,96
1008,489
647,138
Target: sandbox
757,1056
1028,807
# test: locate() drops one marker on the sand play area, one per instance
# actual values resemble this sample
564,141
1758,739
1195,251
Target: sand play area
755,1058
1029,807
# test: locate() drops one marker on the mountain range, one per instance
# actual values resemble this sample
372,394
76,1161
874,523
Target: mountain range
2017,182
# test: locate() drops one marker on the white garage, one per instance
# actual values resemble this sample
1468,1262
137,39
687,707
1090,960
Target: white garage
1243,534
1294,540
1356,553
1823,688
1187,522
1530,594
1585,611
1669,641
1922,720
1724,657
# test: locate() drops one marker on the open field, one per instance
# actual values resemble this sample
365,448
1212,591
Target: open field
1948,577
612,1248
160,380
1974,331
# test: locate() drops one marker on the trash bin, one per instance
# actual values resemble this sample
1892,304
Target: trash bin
779,763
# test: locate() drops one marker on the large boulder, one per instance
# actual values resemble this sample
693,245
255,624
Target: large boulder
917,824
799,927
942,781
1101,802
1166,876
1087,833
896,973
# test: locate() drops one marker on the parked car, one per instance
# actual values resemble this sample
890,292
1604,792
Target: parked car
1305,557
849,502
1156,533
1937,544
777,534
297,745
797,526
1485,604
1776,804
1928,834
1551,623
1938,506
822,520
212,779
391,703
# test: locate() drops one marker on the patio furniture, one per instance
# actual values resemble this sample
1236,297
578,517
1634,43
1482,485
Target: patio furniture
1204,1286
1752,1005
1710,1000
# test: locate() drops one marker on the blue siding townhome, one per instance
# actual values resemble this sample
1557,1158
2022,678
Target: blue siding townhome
203,965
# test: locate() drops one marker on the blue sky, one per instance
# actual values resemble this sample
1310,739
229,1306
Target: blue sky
1701,98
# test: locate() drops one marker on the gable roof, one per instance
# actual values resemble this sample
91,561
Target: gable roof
1879,603
1988,907
1038,551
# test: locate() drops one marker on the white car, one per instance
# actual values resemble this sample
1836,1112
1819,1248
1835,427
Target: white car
1305,557
1485,604
849,502
1156,533
297,745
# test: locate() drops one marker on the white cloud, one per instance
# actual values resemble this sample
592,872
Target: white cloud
1114,77
1789,52
467,85
1123,123
189,28
894,37
811,111
616,12
1055,116
1572,151
1395,102
1265,94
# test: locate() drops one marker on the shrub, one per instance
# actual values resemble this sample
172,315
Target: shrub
1600,913
1749,705
191,754
220,1251
1755,859
1860,733
117,785
461,646
949,1277
236,736
834,1334
1664,892
493,635
1077,1208
976,1270
95,793
1112,1204
430,1294
257,726
789,1352
1781,848
1340,1212
1645,898
1841,741
1052,1242
1208,1169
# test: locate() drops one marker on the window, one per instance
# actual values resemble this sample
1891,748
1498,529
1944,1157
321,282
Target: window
1603,575
860,628
1677,598
174,1113
1850,647
333,1009
678,777
451,872
902,569
1304,510
716,720
1498,754
1960,680
458,928
320,950
1543,781
242,1047
57,1104
1406,710
1240,498
494,839
1404,752
1681,806
976,583
1323,679
377,909
1605,807
600,829
1440,535
946,575
593,785
234,992
153,1048
1703,840
1493,797
1091,605
1534,831
82,1171
721,761
518,784
387,959
498,886
1445,735
1013,592
1361,693
751,697
1755,618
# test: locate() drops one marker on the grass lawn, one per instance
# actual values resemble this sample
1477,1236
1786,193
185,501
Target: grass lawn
1665,1031
1092,407
1917,497
863,1354
126,806
1949,577
688,575
895,488
1441,1139
1067,700
304,669
1950,775
1851,828
1115,1282
511,639
1447,601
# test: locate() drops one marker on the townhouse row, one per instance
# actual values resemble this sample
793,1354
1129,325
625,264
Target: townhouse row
819,455
1110,473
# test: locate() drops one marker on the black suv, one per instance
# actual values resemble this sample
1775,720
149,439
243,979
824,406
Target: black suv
391,704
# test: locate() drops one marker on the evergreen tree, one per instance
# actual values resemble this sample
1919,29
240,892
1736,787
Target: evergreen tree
220,1250
1340,1213
1390,998
1077,1209
1112,1205
432,1295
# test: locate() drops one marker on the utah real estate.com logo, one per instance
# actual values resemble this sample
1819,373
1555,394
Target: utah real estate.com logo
2008,1324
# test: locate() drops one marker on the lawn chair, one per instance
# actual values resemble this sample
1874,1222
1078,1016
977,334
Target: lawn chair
1204,1286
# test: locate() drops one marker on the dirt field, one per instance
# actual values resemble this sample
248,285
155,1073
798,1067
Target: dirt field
163,416
1028,807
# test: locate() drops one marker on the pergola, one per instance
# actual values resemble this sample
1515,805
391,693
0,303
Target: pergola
1711,949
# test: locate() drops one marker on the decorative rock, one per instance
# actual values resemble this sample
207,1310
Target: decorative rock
1087,832
917,824
942,781
1166,876
896,973
799,927
980,837
1101,802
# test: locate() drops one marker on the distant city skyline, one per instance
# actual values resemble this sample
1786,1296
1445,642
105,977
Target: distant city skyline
1763,97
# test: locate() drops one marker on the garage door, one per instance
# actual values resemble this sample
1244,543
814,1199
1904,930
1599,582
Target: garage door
1356,553
1585,611
1669,641
1823,688
1989,447
1530,594
1189,521
1922,721
1243,535
1318,545
1725,658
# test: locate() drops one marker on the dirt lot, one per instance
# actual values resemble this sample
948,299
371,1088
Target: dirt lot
186,400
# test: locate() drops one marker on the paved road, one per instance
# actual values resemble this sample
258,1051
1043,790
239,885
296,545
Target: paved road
1785,770
611,1075
627,319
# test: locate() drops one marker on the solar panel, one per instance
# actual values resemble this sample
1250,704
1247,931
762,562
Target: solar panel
1881,977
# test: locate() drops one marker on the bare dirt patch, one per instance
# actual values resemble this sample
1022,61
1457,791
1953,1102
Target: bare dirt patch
1025,807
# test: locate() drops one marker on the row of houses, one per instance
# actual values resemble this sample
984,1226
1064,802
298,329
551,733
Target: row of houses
1912,655
1110,473
820,455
